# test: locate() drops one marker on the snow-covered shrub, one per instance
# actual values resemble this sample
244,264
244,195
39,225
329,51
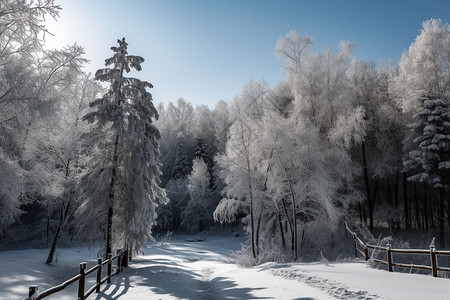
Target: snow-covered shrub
244,257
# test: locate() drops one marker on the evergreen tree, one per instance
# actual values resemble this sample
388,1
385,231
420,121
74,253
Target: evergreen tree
127,169
182,166
199,149
430,160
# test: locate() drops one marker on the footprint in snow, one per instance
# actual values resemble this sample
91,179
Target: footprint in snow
332,288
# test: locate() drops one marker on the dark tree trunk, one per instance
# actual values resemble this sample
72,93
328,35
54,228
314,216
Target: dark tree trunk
283,240
258,227
56,237
416,204
63,215
390,202
425,209
294,221
445,193
109,232
441,218
290,222
397,197
287,215
47,231
262,206
252,220
367,185
430,201
111,199
360,210
405,203
303,237
389,193
372,203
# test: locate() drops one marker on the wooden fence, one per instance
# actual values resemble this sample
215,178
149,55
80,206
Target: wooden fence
366,250
122,258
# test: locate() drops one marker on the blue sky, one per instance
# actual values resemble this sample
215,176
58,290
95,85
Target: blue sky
205,51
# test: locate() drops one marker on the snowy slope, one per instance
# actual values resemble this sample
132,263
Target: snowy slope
205,270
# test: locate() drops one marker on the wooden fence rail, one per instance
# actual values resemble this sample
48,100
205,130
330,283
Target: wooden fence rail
363,250
122,258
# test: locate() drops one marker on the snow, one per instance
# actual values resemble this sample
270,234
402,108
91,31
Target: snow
188,269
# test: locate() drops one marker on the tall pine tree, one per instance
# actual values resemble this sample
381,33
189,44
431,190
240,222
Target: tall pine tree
127,169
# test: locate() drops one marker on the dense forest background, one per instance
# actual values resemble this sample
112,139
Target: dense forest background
340,139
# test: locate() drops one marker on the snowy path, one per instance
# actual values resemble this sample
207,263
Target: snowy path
202,270
205,270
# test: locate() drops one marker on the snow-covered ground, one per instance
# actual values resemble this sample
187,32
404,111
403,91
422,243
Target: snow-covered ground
187,269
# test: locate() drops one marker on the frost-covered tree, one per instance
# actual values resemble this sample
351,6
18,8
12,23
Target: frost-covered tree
22,24
65,145
324,125
292,49
317,80
198,214
124,181
303,182
22,28
425,67
244,182
31,109
222,120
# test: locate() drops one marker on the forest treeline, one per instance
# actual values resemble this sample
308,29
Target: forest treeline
339,138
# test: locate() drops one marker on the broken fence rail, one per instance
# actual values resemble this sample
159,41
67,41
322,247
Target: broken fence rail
122,258
362,249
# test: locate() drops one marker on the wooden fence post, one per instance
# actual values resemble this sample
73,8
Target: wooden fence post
366,252
109,268
354,242
99,274
433,260
389,257
81,281
32,292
